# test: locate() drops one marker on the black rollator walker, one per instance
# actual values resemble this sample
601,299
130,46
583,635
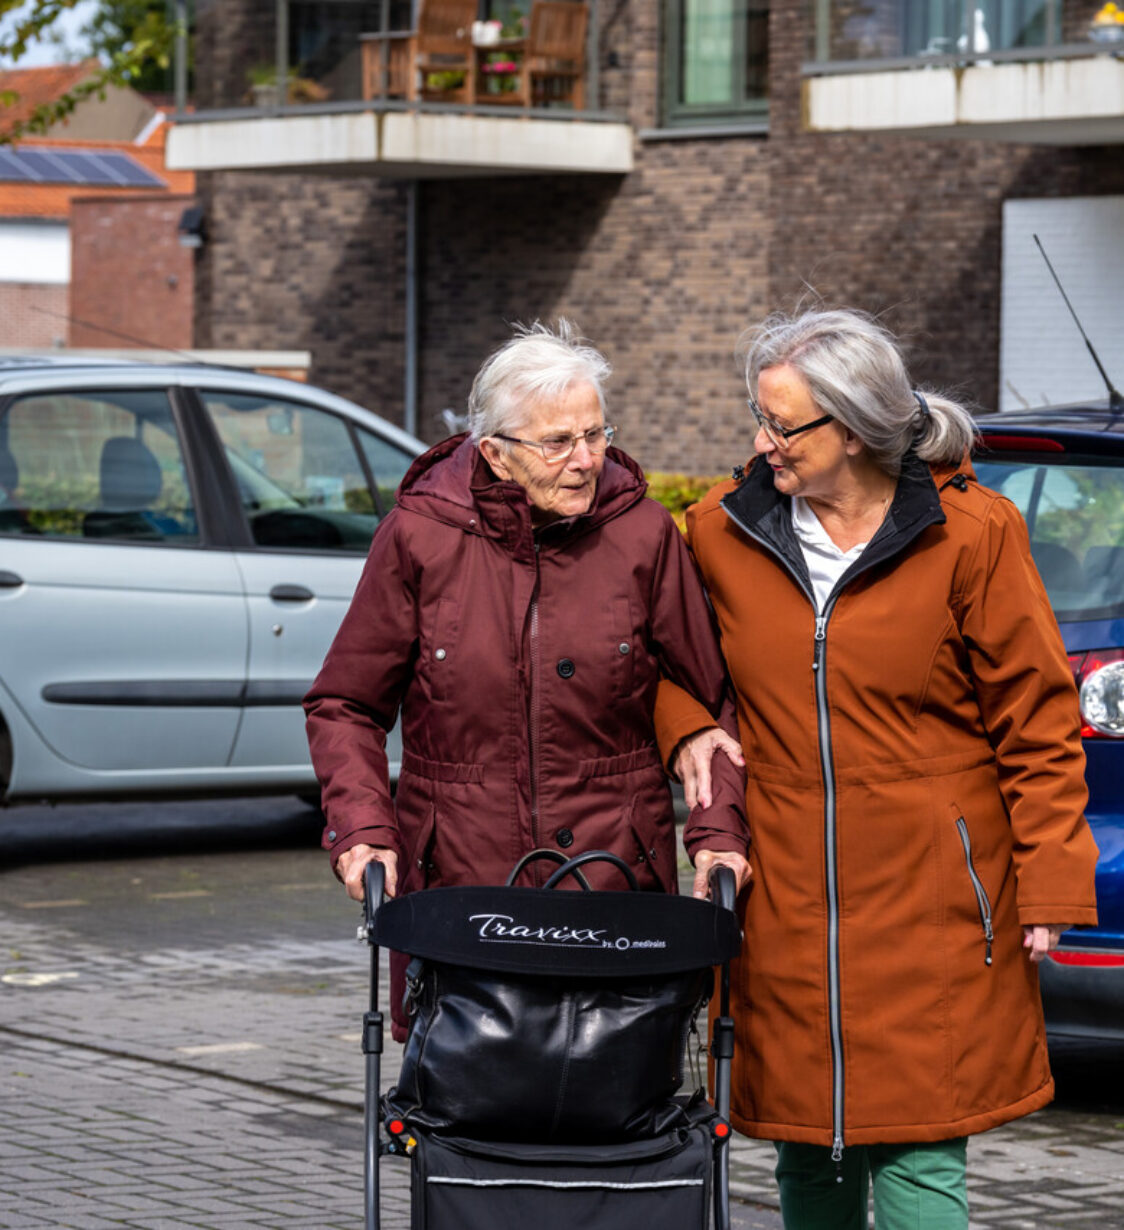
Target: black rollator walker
540,1086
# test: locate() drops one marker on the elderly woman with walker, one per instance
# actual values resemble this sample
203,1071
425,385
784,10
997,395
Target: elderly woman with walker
516,613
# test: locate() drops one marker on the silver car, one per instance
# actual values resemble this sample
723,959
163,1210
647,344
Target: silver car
178,545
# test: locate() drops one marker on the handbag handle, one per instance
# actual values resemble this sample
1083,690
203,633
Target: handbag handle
570,867
535,856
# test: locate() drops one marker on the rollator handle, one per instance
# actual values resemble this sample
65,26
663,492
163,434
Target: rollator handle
374,890
723,887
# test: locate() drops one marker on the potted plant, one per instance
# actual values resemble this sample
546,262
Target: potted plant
264,92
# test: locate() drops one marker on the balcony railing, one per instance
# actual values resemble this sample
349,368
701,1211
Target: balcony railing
311,58
884,35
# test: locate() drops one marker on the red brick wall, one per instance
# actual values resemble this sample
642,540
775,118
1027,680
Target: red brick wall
32,314
129,274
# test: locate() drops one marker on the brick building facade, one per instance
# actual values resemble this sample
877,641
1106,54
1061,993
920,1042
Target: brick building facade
131,281
33,314
662,267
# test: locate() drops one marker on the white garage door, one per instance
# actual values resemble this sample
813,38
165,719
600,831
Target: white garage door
1042,356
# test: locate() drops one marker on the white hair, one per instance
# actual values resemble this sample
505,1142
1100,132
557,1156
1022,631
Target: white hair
855,372
537,363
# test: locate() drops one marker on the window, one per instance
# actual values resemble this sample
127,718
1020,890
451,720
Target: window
303,482
716,60
938,27
1075,517
95,465
388,465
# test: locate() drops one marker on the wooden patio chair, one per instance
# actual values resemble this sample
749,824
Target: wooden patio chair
553,68
442,43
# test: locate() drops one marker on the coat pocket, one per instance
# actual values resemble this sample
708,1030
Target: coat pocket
624,645
983,902
440,648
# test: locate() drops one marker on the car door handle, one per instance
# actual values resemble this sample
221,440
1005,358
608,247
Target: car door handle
10,580
291,593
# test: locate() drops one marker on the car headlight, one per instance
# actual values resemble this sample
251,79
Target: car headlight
1102,699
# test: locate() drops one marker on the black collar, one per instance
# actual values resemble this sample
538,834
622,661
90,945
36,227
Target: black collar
766,515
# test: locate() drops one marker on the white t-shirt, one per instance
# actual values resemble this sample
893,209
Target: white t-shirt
826,563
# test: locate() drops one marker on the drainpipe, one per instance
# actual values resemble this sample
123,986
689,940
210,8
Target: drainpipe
823,31
410,409
282,52
593,60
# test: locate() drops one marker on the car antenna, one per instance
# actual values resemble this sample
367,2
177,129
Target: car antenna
1115,401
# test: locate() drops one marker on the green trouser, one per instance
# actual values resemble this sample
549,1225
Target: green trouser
916,1187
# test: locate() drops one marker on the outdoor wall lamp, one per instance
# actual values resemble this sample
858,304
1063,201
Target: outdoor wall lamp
192,227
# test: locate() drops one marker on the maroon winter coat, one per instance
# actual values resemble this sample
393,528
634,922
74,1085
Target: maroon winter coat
524,666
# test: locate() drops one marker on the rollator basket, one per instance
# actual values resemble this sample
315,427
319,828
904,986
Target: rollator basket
542,1071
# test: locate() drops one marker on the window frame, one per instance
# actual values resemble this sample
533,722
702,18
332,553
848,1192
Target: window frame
683,115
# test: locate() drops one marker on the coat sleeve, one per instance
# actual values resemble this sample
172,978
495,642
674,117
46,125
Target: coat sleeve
1028,701
355,699
694,681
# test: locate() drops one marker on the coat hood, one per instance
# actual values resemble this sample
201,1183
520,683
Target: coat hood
453,483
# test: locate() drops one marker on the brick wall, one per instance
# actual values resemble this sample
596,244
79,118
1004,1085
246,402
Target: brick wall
32,314
907,229
662,268
131,281
312,263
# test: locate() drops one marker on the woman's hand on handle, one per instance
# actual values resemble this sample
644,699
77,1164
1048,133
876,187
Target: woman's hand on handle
350,865
707,859
692,763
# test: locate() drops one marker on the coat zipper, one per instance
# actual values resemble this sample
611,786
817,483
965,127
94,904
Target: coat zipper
827,768
982,900
534,714
827,765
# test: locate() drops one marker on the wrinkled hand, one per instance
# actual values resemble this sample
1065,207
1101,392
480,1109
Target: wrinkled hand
1042,939
706,859
351,863
692,762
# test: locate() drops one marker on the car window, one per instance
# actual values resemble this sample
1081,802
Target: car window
387,463
1074,510
299,476
98,464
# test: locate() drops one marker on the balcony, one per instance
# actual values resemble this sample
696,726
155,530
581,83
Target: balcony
1034,71
395,89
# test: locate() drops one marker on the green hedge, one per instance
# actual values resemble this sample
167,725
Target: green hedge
677,492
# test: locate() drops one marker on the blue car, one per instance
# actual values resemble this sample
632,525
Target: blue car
1064,468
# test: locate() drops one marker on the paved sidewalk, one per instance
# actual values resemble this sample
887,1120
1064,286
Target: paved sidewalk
179,1077
223,1088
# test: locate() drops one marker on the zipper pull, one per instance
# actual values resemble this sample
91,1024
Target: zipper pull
989,935
821,637
837,1158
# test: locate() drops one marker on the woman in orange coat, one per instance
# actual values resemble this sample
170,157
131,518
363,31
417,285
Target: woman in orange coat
916,780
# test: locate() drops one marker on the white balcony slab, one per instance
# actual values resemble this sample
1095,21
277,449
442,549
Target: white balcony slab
403,144
1050,102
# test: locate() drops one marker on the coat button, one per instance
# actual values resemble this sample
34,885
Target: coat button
332,835
566,668
439,654
565,838
624,647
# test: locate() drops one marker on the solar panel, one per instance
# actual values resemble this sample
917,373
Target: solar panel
11,169
38,165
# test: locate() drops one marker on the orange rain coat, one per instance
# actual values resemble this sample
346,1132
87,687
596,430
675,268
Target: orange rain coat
915,796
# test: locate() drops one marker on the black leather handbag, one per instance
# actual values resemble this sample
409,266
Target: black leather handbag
553,1017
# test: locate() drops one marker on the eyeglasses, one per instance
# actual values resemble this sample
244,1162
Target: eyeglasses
779,435
556,449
